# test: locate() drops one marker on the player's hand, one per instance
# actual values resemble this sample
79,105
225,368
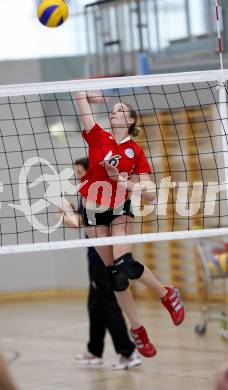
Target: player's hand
67,215
59,212
113,172
96,97
92,96
67,207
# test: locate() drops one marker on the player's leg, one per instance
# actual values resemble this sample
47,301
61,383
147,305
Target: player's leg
171,300
118,330
97,328
113,316
119,282
97,325
122,255
125,262
105,252
108,309
115,323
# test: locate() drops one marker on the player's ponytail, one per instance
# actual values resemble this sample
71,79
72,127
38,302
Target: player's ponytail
133,130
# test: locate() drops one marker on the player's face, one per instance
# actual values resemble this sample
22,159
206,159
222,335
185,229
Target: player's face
79,171
120,116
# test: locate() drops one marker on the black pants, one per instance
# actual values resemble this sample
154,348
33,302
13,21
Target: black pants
105,314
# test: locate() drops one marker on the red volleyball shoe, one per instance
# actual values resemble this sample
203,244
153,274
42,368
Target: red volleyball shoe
174,304
142,342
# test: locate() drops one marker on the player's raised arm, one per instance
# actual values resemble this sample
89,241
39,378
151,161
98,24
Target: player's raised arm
84,100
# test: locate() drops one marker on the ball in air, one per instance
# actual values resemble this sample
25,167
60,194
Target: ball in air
52,13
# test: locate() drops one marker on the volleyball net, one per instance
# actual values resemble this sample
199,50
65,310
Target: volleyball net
184,123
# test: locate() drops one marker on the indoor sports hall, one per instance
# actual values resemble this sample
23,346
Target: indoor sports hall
114,195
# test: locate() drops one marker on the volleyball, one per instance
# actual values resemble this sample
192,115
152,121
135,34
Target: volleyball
52,13
218,266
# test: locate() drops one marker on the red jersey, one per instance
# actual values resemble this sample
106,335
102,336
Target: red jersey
127,156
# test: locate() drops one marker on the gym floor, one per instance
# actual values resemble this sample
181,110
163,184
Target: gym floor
39,341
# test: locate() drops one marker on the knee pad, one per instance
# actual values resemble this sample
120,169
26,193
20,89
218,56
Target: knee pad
127,265
119,281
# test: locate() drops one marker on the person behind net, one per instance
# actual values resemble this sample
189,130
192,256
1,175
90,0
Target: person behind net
103,309
113,158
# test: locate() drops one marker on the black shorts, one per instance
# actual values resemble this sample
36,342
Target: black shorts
107,217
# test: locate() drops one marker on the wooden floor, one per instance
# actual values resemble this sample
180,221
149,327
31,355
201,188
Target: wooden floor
39,341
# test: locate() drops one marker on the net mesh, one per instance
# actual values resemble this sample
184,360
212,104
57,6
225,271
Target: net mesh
184,137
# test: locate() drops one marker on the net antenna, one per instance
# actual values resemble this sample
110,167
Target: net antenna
222,102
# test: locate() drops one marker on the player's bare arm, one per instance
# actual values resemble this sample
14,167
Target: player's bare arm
84,100
142,188
68,217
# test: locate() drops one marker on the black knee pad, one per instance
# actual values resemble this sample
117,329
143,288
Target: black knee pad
131,268
119,281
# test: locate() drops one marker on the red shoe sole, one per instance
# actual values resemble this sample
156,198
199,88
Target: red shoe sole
148,355
180,319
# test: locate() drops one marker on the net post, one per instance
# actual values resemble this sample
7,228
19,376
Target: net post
223,112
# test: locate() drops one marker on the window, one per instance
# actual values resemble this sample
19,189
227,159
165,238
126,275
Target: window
176,22
25,37
168,20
